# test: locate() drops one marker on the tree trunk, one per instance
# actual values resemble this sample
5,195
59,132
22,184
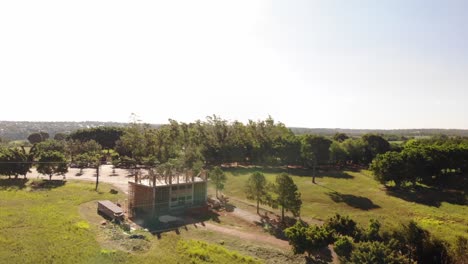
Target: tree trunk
258,205
313,171
50,177
216,192
282,213
97,176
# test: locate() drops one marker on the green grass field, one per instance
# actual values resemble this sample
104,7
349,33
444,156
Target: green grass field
357,194
44,223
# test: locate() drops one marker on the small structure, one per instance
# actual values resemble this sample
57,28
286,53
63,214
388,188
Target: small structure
155,195
110,210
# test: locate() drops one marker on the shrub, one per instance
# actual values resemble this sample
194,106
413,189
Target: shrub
375,252
344,246
342,225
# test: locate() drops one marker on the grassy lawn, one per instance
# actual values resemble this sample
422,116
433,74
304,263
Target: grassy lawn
48,223
358,195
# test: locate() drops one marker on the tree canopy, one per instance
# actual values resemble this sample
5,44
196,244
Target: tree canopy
256,189
287,195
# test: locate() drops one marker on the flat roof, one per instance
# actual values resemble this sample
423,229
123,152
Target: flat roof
160,182
112,206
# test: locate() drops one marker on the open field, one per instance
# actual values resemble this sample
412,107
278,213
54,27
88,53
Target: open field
43,222
357,194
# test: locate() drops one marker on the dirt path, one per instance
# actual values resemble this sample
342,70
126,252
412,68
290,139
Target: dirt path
248,236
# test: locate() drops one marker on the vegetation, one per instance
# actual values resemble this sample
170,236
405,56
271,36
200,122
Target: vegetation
14,162
424,180
51,163
358,195
256,189
218,178
287,195
38,137
433,162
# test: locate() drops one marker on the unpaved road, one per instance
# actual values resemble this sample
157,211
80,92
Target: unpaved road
248,236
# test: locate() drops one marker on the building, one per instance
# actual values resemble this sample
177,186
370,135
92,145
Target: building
151,196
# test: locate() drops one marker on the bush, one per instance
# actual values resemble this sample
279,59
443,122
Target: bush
342,225
344,246
376,252
372,232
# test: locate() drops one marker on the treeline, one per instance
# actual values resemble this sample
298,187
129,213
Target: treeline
216,141
20,130
438,161
393,134
266,143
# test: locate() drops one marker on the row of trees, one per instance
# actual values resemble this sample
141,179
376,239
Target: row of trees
282,194
217,141
433,162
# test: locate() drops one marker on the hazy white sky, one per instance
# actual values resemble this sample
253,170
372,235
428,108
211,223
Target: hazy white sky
348,64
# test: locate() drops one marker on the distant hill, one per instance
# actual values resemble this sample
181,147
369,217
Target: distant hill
20,130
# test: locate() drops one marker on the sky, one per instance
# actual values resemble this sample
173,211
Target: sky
330,64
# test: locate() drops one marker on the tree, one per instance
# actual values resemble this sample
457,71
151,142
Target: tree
309,239
340,137
338,154
35,138
51,163
105,136
298,238
60,136
389,166
342,225
256,189
14,162
315,150
49,146
374,145
218,178
287,195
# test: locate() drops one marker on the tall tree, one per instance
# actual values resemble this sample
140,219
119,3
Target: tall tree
315,150
287,195
218,178
256,188
389,167
374,145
